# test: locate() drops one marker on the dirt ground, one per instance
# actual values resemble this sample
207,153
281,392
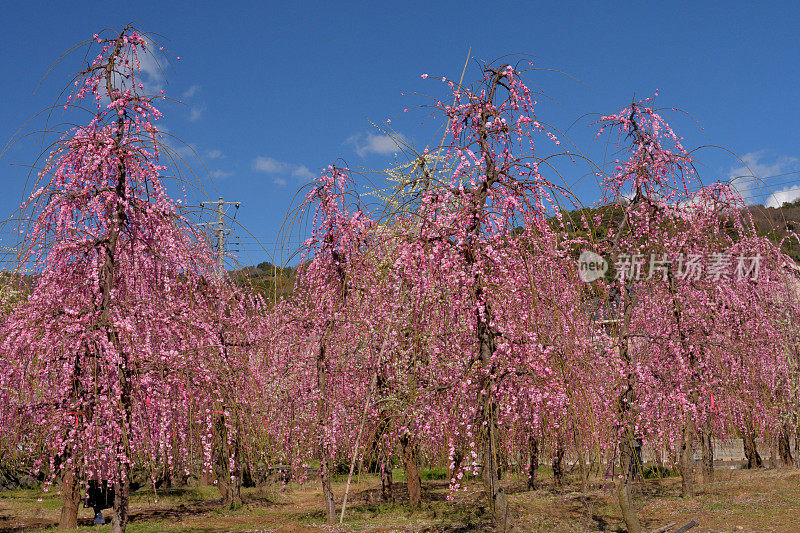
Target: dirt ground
739,500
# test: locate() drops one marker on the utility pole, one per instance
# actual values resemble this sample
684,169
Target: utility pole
221,230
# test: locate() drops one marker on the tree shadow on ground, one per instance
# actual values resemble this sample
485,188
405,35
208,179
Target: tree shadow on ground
176,512
431,491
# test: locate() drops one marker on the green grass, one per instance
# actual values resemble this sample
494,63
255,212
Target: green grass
428,474
659,472
437,514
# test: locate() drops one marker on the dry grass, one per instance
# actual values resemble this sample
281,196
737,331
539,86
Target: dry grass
740,500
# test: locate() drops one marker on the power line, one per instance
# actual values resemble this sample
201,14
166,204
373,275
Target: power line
221,229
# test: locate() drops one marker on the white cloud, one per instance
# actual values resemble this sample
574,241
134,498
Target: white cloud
221,174
302,172
751,180
191,91
789,194
270,165
375,144
214,154
174,147
183,152
195,113
280,169
151,73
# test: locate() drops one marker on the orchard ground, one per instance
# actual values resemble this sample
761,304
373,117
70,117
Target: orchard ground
739,500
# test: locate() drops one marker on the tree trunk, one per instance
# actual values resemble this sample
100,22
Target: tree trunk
558,464
386,481
797,441
498,502
533,465
70,491
229,489
580,457
784,449
458,458
377,451
122,488
122,485
70,499
327,492
411,464
687,460
686,457
624,486
626,447
751,451
227,463
707,445
322,415
221,472
485,334
107,280
773,454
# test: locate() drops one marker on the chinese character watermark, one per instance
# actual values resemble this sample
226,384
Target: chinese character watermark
717,266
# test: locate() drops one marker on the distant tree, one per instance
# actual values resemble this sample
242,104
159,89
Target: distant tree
267,267
789,205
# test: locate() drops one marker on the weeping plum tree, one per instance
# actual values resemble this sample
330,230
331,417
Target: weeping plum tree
469,223
657,175
323,313
107,347
670,248
234,321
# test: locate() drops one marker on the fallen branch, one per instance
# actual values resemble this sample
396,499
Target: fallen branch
687,527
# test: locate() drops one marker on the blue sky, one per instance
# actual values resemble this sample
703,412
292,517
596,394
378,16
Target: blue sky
272,92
